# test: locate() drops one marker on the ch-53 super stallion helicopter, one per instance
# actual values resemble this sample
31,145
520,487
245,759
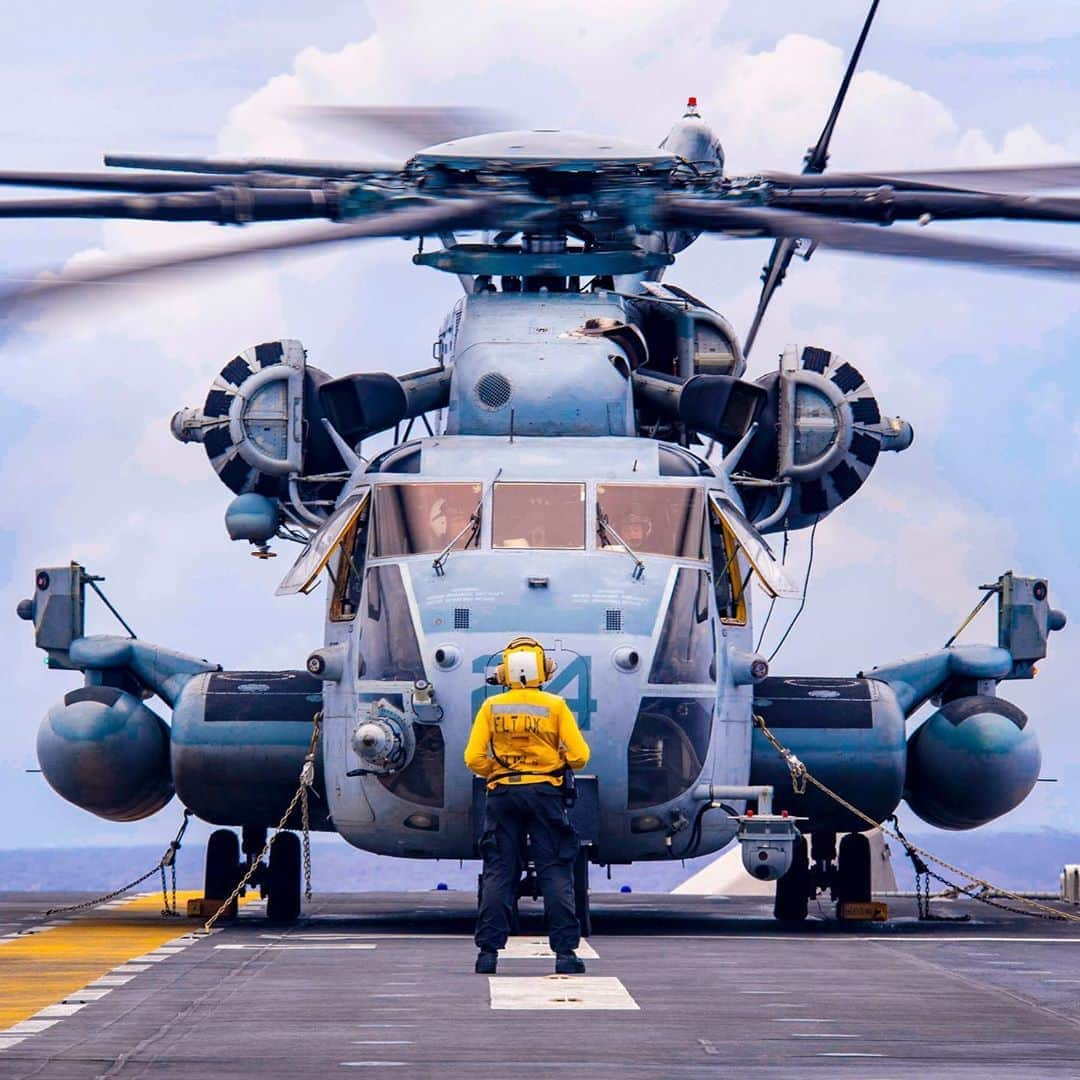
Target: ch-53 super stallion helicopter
601,477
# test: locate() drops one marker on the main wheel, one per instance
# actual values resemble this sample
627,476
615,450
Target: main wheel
581,892
793,889
222,867
853,869
283,879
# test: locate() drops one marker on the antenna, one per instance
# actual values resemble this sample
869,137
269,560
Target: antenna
817,157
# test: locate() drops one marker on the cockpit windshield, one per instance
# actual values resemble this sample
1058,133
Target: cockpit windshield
538,516
416,519
652,519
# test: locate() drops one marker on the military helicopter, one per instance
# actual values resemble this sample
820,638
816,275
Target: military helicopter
595,470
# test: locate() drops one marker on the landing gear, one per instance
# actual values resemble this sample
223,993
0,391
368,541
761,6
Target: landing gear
793,889
581,892
282,879
853,870
223,870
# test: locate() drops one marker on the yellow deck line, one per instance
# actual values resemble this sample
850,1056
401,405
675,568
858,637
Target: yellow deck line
44,968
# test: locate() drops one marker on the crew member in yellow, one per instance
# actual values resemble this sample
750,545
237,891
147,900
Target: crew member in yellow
522,742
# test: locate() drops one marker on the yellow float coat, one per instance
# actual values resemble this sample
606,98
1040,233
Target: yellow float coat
520,735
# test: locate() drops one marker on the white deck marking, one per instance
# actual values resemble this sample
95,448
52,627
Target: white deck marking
299,948
537,948
129,969
30,1027
89,993
849,1053
559,992
1062,980
111,980
58,1012
800,1020
5,1041
935,940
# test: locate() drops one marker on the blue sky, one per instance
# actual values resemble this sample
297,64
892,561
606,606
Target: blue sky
981,364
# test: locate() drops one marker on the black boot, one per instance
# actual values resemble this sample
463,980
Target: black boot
569,963
486,962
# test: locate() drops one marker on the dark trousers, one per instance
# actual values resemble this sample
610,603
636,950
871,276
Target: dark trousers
535,810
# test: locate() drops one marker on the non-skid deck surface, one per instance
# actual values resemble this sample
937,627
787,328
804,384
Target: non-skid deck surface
678,987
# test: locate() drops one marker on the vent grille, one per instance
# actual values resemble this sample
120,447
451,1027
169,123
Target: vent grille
461,618
613,620
493,390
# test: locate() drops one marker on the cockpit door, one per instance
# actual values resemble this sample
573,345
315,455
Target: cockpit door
318,550
770,572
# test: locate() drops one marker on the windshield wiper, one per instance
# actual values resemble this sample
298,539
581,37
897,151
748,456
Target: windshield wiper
603,525
472,526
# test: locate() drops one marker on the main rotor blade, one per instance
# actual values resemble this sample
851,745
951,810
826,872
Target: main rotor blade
864,239
151,182
235,205
286,166
410,221
1000,178
409,127
817,157
885,205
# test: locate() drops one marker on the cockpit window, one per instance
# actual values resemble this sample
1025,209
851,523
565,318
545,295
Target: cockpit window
538,516
388,637
652,519
415,519
686,650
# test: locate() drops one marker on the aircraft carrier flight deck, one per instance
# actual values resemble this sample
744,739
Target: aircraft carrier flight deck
676,986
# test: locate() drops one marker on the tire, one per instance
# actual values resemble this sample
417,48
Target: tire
222,867
793,889
283,879
853,870
582,906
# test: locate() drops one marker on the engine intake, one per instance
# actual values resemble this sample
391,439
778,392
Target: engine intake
261,426
819,435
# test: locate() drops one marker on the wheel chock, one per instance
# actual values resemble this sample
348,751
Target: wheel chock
863,911
199,907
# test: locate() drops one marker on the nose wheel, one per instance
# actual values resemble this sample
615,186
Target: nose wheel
794,888
581,892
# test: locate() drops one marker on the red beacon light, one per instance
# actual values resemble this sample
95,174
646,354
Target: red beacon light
691,107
